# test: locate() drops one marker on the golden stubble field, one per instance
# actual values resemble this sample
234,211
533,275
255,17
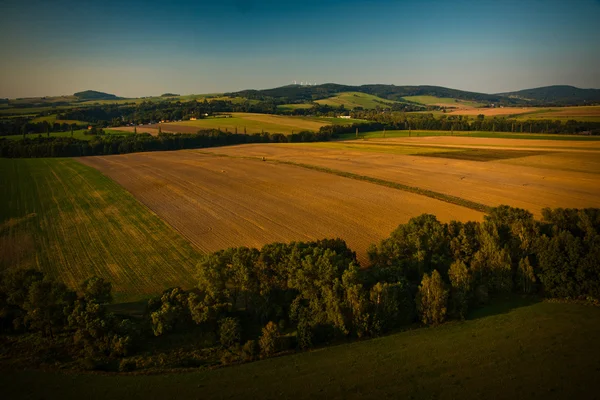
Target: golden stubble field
538,174
218,202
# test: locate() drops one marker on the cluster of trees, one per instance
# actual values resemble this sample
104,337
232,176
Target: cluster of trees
114,144
305,294
33,302
289,296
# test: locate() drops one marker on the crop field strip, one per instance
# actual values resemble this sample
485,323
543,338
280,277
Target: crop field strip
252,123
72,222
219,202
552,179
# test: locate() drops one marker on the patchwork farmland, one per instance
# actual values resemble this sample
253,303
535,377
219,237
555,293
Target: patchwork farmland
218,202
243,123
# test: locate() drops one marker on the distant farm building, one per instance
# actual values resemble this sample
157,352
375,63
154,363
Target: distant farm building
344,116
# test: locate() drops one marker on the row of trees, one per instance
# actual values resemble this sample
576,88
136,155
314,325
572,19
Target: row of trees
297,295
425,271
21,126
114,144
402,121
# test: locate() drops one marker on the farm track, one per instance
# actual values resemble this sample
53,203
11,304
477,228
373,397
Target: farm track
219,202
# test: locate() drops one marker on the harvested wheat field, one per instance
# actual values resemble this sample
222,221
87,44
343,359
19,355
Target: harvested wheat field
532,179
218,202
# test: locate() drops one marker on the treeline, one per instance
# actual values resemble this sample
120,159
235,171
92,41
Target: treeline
113,144
21,126
255,303
401,121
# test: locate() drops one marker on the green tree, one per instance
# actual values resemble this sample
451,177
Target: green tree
97,290
45,306
460,280
432,299
268,341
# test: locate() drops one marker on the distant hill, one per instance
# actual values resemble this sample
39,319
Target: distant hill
298,93
556,95
169,95
94,95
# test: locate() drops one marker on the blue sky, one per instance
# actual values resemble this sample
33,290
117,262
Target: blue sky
141,48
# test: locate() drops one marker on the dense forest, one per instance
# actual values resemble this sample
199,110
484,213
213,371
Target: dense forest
250,303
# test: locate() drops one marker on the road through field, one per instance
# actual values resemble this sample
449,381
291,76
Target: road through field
219,202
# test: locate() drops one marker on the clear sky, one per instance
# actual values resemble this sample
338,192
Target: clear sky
139,48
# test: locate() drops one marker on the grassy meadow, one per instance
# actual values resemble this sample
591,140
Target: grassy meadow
254,123
351,100
72,222
443,101
533,351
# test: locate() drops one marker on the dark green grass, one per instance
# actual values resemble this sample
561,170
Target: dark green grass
539,351
483,154
72,222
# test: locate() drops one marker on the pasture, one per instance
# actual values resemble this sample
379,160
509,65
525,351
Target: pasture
250,122
443,102
535,351
217,202
72,222
351,100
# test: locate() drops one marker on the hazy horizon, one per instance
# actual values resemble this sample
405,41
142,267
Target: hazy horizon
145,48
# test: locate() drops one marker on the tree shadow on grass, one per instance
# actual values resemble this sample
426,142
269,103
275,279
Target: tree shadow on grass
502,304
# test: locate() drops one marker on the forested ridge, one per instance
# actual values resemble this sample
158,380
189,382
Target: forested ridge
251,303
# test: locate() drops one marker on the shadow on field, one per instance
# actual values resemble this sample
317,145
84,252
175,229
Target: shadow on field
502,305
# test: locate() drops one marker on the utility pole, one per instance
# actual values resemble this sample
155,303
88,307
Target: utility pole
357,133
384,132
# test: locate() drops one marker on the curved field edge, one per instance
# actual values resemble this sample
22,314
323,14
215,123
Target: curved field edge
71,221
543,350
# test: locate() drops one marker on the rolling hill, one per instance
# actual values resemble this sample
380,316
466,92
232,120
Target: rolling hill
298,93
94,95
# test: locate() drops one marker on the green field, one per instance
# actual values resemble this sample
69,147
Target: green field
352,100
256,123
290,107
536,351
479,134
72,222
446,101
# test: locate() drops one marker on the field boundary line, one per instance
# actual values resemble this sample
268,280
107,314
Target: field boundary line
382,182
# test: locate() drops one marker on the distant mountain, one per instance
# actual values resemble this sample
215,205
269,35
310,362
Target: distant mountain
94,95
560,95
298,93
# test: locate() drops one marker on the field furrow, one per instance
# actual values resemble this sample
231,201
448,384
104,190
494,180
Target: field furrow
218,202
75,222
